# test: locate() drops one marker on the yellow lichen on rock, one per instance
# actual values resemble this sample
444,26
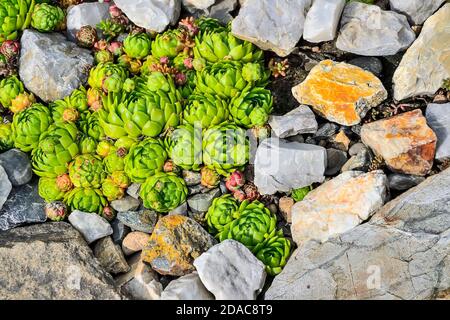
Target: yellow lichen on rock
340,92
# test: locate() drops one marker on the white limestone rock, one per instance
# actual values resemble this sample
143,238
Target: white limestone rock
188,287
417,10
438,118
85,14
322,20
298,121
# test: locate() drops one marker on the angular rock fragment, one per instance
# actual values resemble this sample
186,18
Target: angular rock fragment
405,142
438,118
90,225
417,10
338,205
188,287
298,121
322,20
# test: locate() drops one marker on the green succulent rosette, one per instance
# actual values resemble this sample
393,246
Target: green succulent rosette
90,126
108,76
254,225
6,137
210,25
86,200
225,148
57,147
274,252
167,44
10,88
115,160
111,114
111,190
87,171
300,193
223,79
137,45
87,144
15,15
218,46
163,192
205,110
155,81
184,147
46,18
78,99
252,108
189,87
29,124
63,112
144,159
222,211
48,190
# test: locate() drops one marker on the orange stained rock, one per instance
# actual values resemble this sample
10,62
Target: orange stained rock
406,142
340,92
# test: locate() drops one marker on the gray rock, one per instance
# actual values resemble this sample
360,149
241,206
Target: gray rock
143,220
154,15
223,188
191,178
90,225
202,201
133,190
356,148
283,166
438,118
127,203
141,282
368,30
221,10
417,10
338,205
326,130
360,162
17,165
372,64
85,14
335,161
231,272
181,209
51,261
24,205
401,182
271,25
322,20
188,287
198,188
120,230
69,62
194,5
424,66
5,186
110,256
402,253
299,121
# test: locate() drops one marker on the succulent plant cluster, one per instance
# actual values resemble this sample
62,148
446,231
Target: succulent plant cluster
252,224
155,104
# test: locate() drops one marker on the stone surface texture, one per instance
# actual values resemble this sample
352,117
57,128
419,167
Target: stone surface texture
90,225
298,121
417,10
85,14
188,287
438,118
17,165
322,20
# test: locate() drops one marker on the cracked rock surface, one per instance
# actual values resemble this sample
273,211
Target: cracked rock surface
402,253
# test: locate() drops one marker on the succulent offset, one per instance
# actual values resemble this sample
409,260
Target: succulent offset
15,16
87,171
46,18
274,252
163,192
184,147
205,110
222,211
137,45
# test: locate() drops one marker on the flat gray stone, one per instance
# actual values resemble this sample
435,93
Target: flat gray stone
85,14
271,25
5,186
282,166
438,118
127,203
402,253
372,64
298,121
154,15
120,231
417,10
231,272
335,160
143,220
90,225
367,30
24,206
110,256
69,62
17,165
202,201
188,287
322,20
401,182
133,190
51,261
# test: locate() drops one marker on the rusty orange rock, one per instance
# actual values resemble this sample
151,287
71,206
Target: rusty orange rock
175,243
405,142
340,92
